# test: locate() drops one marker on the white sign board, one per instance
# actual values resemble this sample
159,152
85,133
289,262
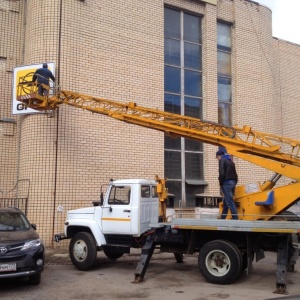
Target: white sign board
22,73
252,188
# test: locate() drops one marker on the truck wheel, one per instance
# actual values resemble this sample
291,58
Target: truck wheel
178,257
112,255
220,262
83,250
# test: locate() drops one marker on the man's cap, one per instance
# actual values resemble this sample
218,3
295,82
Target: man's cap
45,65
219,153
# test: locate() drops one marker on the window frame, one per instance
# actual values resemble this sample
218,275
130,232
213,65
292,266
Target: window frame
225,115
197,68
125,200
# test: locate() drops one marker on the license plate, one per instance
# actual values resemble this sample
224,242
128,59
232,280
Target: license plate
8,267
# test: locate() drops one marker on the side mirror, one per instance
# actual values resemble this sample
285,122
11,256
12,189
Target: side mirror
33,226
101,199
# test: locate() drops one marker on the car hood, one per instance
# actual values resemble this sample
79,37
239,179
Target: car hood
19,236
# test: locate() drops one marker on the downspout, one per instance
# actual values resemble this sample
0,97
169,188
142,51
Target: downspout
57,122
21,118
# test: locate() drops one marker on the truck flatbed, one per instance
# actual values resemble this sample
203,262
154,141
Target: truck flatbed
232,225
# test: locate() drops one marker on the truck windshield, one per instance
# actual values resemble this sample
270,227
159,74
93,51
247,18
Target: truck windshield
119,195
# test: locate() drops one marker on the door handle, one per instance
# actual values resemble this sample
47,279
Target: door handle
126,210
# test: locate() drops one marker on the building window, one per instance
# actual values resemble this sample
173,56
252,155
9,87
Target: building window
224,74
183,95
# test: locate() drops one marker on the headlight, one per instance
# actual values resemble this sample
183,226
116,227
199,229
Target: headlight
31,244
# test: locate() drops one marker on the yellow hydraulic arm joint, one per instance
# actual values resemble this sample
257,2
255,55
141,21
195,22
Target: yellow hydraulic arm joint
162,192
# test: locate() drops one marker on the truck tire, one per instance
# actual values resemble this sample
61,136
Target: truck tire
83,250
113,255
220,262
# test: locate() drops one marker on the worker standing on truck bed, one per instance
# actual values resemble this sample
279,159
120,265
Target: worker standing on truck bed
228,179
42,76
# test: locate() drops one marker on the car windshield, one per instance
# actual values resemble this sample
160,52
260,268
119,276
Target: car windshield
13,221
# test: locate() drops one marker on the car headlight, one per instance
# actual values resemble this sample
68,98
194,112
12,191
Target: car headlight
32,244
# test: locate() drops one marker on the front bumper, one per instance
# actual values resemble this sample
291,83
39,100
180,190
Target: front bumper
26,264
18,274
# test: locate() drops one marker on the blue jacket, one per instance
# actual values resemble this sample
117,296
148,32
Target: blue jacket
42,75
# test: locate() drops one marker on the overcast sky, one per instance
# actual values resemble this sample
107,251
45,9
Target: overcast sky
285,18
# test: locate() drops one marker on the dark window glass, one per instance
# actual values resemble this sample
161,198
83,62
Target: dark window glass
224,74
172,23
192,56
193,107
172,143
224,42
172,52
154,192
172,164
224,63
193,145
172,79
192,83
224,89
224,37
119,195
172,103
145,191
174,187
192,28
191,191
183,95
193,166
224,114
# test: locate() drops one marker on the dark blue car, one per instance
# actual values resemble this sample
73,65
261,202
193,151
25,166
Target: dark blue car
22,253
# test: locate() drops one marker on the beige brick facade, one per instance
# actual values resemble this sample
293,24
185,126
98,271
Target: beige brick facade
115,50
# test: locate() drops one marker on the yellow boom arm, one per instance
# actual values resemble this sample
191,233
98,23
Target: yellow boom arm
276,153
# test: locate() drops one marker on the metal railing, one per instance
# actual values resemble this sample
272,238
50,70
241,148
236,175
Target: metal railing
18,196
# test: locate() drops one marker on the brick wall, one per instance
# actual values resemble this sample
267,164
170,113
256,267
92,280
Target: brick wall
10,53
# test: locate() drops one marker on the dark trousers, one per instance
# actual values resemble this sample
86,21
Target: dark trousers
228,188
42,91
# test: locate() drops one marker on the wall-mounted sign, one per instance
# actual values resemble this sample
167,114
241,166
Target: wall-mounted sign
22,78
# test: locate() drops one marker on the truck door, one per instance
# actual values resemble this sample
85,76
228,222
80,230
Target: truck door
117,212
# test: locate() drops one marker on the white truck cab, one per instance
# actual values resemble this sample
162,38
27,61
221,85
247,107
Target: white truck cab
128,207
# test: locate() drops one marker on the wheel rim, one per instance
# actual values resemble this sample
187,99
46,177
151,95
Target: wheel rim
217,263
80,250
